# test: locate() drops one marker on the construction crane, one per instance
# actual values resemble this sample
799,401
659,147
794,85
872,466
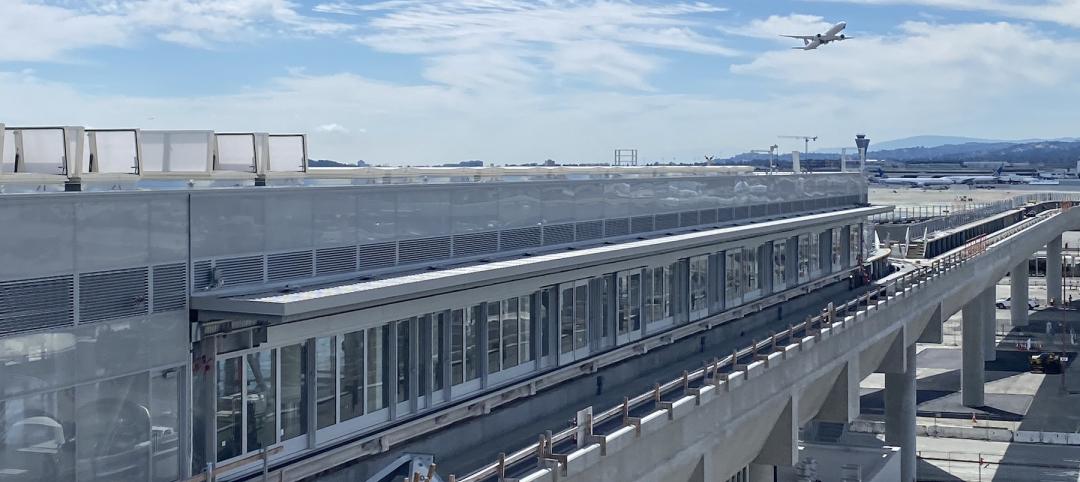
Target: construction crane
772,155
805,139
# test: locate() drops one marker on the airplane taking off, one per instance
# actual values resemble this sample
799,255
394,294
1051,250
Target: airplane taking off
811,42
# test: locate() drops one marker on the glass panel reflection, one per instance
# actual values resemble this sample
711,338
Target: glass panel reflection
229,406
261,381
351,385
325,376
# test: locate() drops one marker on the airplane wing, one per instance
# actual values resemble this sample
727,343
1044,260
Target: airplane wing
801,37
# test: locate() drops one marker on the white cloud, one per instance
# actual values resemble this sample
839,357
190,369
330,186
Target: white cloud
46,31
492,43
1064,12
776,25
334,128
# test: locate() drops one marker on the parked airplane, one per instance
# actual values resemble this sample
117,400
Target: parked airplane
924,182
811,42
996,178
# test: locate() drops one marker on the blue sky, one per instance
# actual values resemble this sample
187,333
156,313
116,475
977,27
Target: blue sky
413,82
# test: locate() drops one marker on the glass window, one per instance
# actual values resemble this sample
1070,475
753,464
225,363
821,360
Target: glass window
566,318
837,249
438,344
377,368
473,322
581,312
510,353
606,316
753,277
112,430
544,311
404,359
804,258
525,328
261,380
325,377
672,284
457,346
854,244
293,396
779,264
229,410
733,273
165,427
494,337
699,283
658,298
44,420
815,255
351,384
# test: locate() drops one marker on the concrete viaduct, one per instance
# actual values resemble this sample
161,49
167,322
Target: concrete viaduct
749,413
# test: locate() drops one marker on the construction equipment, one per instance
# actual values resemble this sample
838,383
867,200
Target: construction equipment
1046,363
806,139
772,155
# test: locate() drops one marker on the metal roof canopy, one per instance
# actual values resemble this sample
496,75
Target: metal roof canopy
342,297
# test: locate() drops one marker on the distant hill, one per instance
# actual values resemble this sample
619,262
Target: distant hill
329,163
1044,153
930,141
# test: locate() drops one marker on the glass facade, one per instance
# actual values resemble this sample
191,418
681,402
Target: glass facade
699,284
779,264
838,254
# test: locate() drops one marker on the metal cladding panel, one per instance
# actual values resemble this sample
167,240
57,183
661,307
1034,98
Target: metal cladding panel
288,221
474,210
376,215
170,287
112,232
519,206
36,304
40,244
113,294
168,228
334,218
227,224
559,205
423,212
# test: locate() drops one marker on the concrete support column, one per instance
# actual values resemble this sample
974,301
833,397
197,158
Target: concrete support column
1053,271
989,312
1018,294
762,473
972,375
900,414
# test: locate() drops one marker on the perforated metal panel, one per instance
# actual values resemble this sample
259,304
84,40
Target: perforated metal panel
170,287
520,238
688,218
238,271
707,216
113,294
472,244
36,304
335,260
616,227
641,224
284,266
423,250
558,234
378,255
589,230
200,275
758,210
667,221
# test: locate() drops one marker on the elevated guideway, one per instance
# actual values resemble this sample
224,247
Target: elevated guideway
746,409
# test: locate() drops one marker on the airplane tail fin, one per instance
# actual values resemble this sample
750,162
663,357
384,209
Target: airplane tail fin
805,42
880,172
997,172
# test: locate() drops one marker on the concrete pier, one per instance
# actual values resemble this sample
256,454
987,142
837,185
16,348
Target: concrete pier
900,414
989,314
972,373
1053,271
1018,293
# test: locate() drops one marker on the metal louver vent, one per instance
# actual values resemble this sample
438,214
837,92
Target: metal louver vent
667,221
283,266
519,238
688,218
589,230
335,260
200,275
170,287
707,216
378,255
641,224
113,294
36,304
423,250
558,234
238,271
472,244
616,227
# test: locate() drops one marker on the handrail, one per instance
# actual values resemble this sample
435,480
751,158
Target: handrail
882,294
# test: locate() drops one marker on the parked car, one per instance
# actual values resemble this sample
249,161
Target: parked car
1006,303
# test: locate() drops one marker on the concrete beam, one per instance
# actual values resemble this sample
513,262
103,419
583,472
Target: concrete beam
900,414
842,403
762,473
1018,292
972,373
934,331
782,445
1053,271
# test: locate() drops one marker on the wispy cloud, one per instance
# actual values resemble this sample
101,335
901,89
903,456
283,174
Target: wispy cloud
510,42
1063,12
774,26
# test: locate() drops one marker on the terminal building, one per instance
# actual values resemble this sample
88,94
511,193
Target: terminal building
174,303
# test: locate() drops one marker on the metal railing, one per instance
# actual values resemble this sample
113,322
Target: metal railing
723,369
935,218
